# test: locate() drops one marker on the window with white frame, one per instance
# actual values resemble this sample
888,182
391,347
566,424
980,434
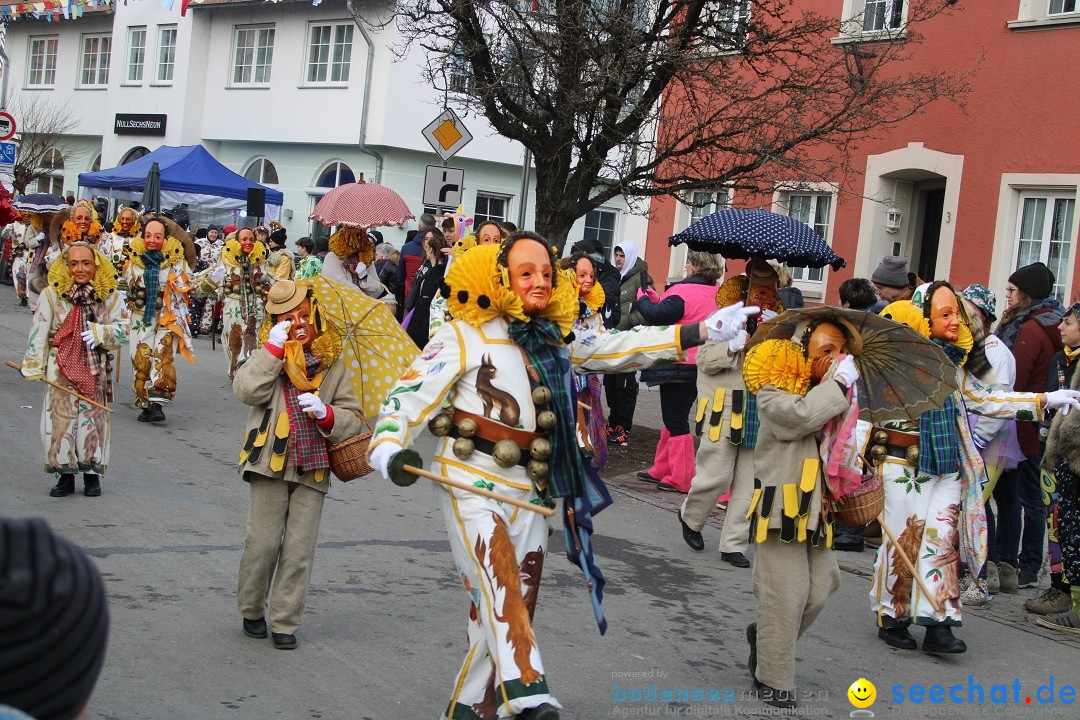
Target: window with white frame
262,171
41,70
166,65
726,22
253,57
1061,7
874,17
490,207
1034,14
96,53
460,77
136,54
51,179
332,175
706,202
812,209
600,225
1044,234
329,53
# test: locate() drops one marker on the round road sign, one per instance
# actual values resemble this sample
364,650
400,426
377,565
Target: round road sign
7,126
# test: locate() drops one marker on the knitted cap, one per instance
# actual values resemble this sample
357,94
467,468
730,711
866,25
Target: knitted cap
979,296
891,272
1034,280
54,620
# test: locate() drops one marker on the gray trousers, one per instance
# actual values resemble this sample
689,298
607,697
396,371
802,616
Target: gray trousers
282,532
792,581
720,466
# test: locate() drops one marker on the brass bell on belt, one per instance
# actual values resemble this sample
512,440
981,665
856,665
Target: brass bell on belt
467,428
537,471
506,453
880,437
540,449
440,425
878,453
464,447
546,420
541,395
912,455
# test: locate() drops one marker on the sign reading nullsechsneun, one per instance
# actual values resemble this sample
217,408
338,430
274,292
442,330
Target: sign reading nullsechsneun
127,124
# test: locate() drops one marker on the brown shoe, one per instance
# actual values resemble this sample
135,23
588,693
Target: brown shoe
1051,602
872,535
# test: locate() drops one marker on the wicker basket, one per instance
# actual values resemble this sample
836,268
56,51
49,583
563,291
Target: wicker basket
348,459
863,505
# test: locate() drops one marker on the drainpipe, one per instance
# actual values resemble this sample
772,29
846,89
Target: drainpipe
367,92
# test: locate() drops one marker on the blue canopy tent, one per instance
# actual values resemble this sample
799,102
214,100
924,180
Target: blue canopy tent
189,174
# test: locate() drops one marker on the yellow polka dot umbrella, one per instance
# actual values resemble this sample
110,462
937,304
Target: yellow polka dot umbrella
375,349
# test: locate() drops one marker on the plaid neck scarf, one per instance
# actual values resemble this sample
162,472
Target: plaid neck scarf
307,446
151,278
939,440
75,360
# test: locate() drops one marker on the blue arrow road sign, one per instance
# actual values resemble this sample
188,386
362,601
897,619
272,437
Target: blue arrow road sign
7,157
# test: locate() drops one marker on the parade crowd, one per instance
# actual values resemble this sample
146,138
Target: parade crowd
525,365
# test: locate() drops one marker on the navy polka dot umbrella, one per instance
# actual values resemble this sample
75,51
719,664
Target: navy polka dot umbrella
743,233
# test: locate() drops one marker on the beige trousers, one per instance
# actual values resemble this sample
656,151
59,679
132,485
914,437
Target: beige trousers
792,581
720,466
282,532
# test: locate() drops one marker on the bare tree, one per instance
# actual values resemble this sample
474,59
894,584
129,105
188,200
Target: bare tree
658,97
43,130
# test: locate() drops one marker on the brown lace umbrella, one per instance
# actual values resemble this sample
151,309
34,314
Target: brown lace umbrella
901,373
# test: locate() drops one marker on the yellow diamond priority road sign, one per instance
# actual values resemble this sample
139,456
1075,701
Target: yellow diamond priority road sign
447,134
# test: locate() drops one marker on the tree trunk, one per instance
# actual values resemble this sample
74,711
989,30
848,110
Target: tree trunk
555,212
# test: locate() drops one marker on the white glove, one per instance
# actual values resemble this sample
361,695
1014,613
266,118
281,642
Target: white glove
725,323
361,270
1063,400
88,338
218,274
846,372
737,343
767,315
380,458
279,334
313,404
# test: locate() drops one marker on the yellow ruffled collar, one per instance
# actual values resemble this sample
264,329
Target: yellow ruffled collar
910,314
480,292
135,227
347,242
594,299
781,363
231,253
69,233
104,282
172,251
733,290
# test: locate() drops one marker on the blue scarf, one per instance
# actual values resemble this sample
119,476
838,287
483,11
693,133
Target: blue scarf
151,277
570,476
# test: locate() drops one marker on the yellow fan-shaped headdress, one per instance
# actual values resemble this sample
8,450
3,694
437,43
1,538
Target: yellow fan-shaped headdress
347,242
104,282
733,290
231,252
781,363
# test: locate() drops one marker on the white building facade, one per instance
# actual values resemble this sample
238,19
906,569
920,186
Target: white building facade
295,96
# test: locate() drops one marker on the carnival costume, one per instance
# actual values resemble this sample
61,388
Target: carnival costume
518,445
591,421
349,261
116,244
42,251
280,262
16,232
795,570
933,477
241,281
74,433
284,458
726,421
158,283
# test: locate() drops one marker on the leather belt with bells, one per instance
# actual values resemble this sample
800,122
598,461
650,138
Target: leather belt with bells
892,443
507,446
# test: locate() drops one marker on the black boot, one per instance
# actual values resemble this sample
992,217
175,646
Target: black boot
897,637
156,413
91,485
22,302
544,711
144,416
691,536
64,486
751,637
939,639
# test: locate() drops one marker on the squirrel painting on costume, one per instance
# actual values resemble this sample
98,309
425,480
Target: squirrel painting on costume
512,329
158,281
79,318
800,388
301,401
241,280
725,420
933,477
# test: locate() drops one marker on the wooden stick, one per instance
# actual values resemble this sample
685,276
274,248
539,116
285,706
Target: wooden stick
523,504
69,391
907,562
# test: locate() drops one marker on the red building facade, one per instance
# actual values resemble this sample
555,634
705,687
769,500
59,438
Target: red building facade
966,193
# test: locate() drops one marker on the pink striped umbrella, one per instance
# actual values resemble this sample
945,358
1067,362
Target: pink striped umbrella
361,205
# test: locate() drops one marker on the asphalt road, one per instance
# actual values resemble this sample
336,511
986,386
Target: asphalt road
384,631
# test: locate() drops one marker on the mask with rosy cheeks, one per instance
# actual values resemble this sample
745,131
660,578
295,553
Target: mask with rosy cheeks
762,296
944,315
827,345
586,278
247,244
529,263
154,235
301,330
80,263
82,219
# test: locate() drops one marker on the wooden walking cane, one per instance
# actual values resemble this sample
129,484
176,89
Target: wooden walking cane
403,471
934,602
69,391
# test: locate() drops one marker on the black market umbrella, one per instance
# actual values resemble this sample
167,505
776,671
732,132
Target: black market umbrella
745,233
151,197
41,203
901,373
